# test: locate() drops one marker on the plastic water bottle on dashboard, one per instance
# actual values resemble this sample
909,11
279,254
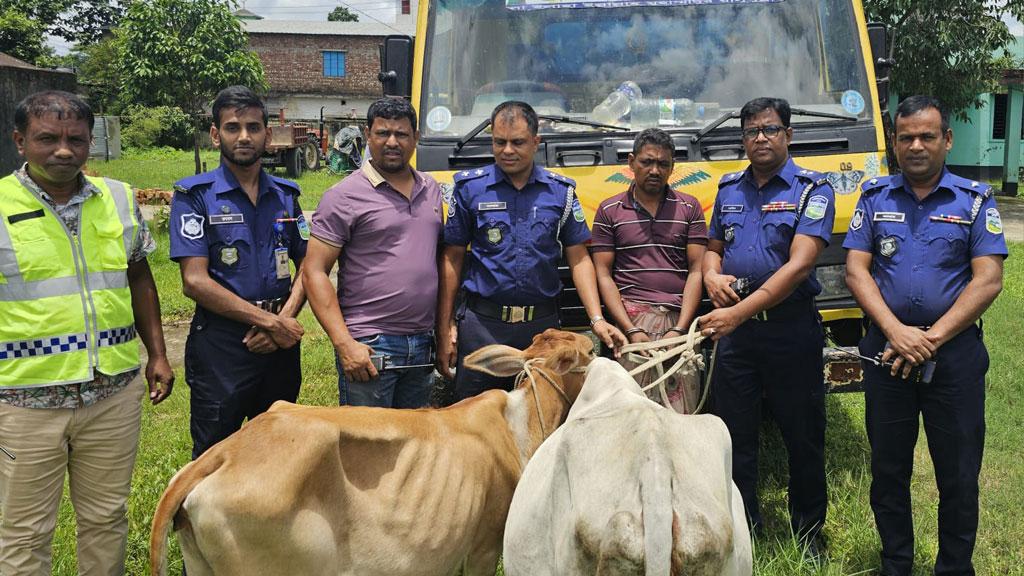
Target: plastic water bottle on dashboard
617,104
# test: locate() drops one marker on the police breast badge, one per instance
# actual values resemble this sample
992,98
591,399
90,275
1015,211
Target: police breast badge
494,235
730,234
192,226
229,255
887,246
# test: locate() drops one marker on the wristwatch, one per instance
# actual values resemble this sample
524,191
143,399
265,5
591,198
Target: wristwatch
595,320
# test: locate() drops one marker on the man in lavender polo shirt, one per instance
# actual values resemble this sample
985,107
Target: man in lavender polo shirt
382,225
647,247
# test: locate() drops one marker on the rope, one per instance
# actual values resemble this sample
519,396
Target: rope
527,373
667,348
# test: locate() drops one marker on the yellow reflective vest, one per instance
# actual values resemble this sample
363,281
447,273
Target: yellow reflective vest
65,304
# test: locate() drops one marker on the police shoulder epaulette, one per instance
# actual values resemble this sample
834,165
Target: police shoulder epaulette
465,175
561,178
805,174
730,178
185,185
286,185
972,186
873,185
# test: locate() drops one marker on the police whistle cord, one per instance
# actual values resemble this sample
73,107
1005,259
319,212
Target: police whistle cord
654,354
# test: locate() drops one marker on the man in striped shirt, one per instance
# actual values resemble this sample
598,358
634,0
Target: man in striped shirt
647,246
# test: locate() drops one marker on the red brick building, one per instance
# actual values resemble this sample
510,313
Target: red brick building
309,64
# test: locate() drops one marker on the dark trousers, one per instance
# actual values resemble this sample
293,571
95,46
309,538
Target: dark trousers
779,364
476,331
229,383
953,408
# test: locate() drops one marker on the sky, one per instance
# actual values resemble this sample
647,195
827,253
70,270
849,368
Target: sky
368,10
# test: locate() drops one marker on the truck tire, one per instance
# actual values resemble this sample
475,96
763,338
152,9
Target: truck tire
293,159
311,156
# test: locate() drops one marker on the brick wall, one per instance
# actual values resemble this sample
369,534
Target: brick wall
293,64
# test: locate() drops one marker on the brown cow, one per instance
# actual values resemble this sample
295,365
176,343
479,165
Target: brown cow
367,491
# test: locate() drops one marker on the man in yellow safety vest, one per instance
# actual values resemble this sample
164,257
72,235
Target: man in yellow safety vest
75,293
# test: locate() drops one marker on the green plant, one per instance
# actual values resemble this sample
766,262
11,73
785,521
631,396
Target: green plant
144,127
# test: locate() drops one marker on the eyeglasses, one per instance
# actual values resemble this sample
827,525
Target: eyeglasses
770,132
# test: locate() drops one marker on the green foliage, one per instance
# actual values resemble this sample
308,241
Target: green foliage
21,36
143,127
342,14
99,75
947,48
79,21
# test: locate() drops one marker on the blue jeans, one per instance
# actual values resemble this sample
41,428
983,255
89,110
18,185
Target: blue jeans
398,387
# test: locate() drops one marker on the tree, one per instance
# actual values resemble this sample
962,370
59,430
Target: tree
20,36
952,49
342,14
182,52
80,21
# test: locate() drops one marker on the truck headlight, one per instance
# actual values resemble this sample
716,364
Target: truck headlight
833,282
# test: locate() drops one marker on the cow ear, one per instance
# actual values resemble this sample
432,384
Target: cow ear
564,358
496,360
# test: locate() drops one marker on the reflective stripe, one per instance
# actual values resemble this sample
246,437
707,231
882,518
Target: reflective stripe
61,344
15,291
42,346
120,193
8,260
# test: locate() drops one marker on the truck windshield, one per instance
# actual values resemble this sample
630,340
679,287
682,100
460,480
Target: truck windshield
690,62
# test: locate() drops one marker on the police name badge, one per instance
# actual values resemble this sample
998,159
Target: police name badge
303,227
887,246
816,207
993,223
229,255
281,263
730,233
192,226
494,235
858,219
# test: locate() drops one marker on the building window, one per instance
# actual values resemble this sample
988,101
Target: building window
334,64
406,8
1001,115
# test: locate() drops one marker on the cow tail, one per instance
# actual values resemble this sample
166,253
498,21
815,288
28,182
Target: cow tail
170,503
656,496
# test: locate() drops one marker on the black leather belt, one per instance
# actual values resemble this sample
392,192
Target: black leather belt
273,306
786,311
510,314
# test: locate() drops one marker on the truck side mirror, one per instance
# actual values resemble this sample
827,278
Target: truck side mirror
877,37
396,66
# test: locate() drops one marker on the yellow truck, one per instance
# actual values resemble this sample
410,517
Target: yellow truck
599,71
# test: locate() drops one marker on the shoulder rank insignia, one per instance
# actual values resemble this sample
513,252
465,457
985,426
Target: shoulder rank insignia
730,178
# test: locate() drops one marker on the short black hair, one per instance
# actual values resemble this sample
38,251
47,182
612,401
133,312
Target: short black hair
391,108
237,98
913,104
509,110
758,105
62,104
654,137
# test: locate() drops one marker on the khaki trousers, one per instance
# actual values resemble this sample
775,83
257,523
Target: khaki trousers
96,447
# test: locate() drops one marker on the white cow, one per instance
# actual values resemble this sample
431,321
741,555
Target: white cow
627,486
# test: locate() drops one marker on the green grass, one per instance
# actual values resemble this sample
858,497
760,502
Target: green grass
165,447
162,168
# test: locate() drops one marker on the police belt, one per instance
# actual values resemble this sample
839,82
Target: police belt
788,310
510,314
273,306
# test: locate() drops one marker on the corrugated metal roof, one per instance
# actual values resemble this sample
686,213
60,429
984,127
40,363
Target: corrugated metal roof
327,28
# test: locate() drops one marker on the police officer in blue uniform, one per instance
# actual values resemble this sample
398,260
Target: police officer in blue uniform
233,232
517,219
925,260
770,222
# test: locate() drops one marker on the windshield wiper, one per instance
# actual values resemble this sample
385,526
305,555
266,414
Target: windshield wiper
564,119
696,138
581,122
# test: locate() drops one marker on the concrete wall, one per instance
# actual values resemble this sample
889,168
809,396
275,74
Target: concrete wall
15,84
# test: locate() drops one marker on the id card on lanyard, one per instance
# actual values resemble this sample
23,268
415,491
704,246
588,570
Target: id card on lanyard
281,262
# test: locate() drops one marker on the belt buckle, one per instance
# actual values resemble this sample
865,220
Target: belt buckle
516,314
762,316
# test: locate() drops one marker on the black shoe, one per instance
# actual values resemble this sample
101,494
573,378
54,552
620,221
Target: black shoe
815,550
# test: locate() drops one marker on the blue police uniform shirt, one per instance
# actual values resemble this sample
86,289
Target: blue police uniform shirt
757,225
212,217
514,252
922,249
